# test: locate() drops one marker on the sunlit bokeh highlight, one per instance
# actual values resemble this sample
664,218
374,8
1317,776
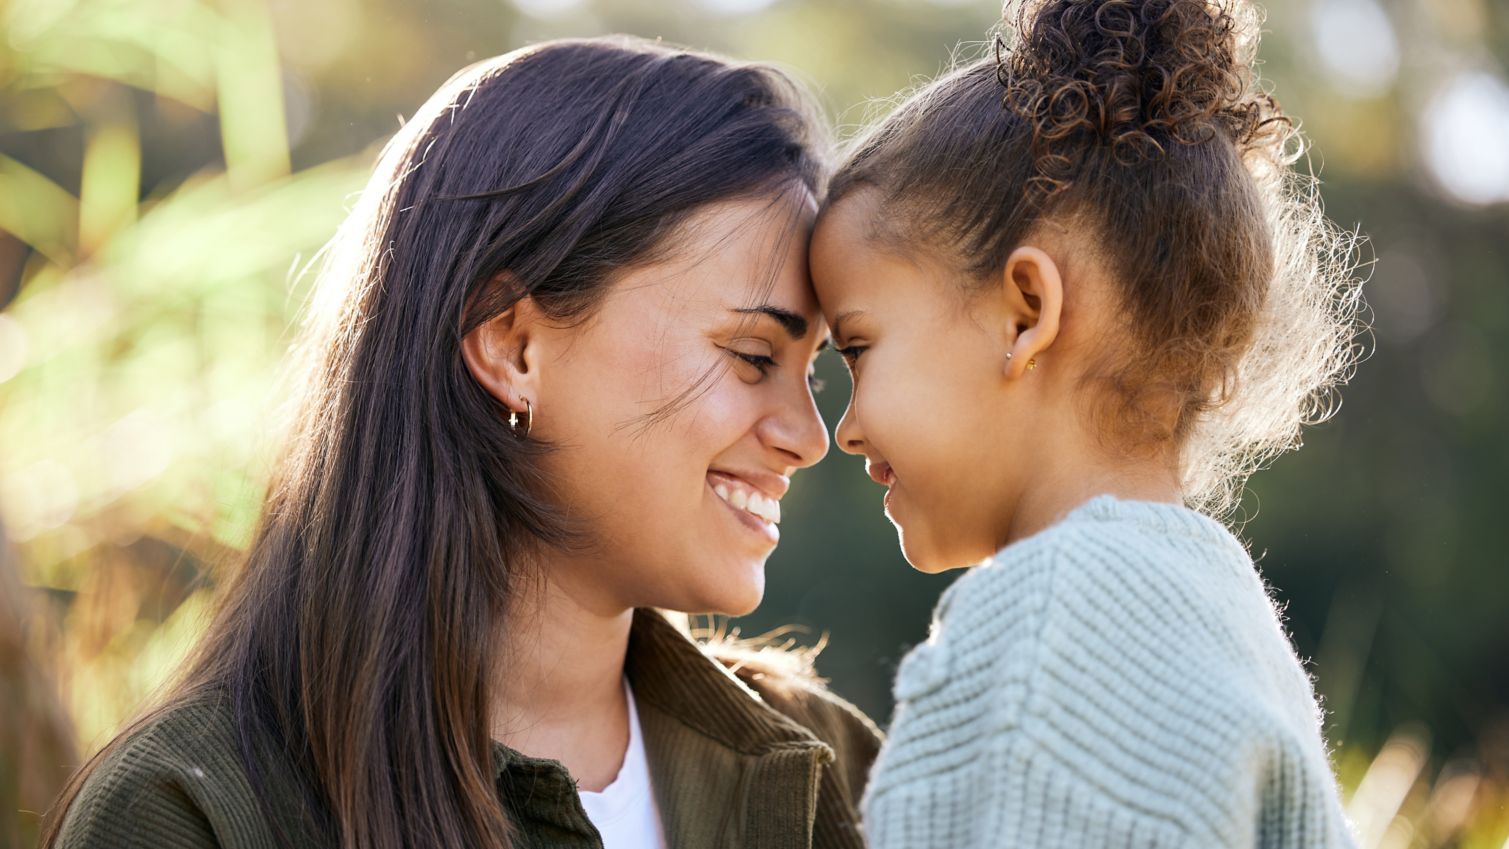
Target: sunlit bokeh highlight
1465,135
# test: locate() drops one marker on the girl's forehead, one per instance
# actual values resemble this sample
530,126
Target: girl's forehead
846,261
847,220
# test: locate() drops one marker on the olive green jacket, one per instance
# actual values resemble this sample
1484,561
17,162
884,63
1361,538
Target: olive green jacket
742,758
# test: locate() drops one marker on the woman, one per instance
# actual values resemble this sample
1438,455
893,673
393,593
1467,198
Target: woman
558,377
37,735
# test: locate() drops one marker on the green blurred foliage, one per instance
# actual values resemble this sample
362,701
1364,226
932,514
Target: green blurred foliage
167,168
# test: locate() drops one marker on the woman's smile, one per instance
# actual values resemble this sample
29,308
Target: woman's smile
756,508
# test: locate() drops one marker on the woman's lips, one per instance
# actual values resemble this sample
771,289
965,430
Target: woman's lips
753,507
745,491
767,530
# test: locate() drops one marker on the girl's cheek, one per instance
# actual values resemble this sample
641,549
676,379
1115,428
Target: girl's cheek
869,407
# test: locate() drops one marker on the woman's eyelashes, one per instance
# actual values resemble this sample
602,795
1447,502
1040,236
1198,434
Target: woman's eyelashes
759,361
766,363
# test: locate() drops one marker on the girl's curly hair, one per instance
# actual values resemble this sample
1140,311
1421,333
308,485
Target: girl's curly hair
1131,78
1142,127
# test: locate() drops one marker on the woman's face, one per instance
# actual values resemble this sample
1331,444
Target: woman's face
681,409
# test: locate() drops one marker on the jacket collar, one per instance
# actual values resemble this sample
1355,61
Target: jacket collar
672,672
729,769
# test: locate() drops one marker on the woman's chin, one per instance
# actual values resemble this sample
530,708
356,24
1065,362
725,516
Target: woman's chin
738,594
741,602
725,587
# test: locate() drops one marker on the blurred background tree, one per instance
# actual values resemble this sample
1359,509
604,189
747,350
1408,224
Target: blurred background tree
168,167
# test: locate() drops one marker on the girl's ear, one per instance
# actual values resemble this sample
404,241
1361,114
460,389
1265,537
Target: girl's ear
503,355
1034,298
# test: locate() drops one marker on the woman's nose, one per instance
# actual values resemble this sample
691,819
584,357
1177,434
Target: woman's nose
798,431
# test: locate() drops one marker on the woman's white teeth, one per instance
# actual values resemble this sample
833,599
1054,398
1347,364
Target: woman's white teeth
766,508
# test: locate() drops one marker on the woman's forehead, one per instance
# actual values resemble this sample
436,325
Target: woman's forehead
736,255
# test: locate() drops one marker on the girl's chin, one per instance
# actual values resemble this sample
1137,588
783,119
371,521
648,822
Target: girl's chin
924,558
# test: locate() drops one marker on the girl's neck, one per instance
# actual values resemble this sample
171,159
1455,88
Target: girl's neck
558,692
1074,477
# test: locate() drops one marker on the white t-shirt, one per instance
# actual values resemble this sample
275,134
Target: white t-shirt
624,812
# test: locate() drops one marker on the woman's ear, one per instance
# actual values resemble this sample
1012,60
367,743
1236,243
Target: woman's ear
1034,296
502,354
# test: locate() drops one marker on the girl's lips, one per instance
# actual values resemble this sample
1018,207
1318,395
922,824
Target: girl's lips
882,473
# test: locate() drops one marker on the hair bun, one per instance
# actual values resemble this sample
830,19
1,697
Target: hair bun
1137,76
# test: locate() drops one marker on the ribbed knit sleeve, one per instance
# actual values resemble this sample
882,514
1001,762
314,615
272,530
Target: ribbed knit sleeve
174,783
1120,679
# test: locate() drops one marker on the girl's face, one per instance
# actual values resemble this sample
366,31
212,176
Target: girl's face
681,409
926,411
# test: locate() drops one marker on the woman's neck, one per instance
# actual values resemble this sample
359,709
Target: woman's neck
558,692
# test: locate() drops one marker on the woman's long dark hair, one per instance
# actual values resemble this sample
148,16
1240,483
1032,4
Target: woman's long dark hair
394,529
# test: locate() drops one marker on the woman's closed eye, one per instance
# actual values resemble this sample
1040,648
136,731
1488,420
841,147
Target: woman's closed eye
765,364
759,361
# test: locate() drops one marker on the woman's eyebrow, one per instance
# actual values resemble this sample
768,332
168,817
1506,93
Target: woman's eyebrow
794,325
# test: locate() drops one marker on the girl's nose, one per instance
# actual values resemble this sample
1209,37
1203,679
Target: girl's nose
850,438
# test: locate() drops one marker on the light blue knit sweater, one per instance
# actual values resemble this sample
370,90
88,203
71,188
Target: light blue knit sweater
1119,679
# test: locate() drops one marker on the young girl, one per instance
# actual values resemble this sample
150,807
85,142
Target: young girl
558,380
1082,295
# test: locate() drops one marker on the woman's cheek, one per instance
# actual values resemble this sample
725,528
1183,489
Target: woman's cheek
709,425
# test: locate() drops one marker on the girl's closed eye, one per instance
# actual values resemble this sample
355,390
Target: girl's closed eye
851,354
